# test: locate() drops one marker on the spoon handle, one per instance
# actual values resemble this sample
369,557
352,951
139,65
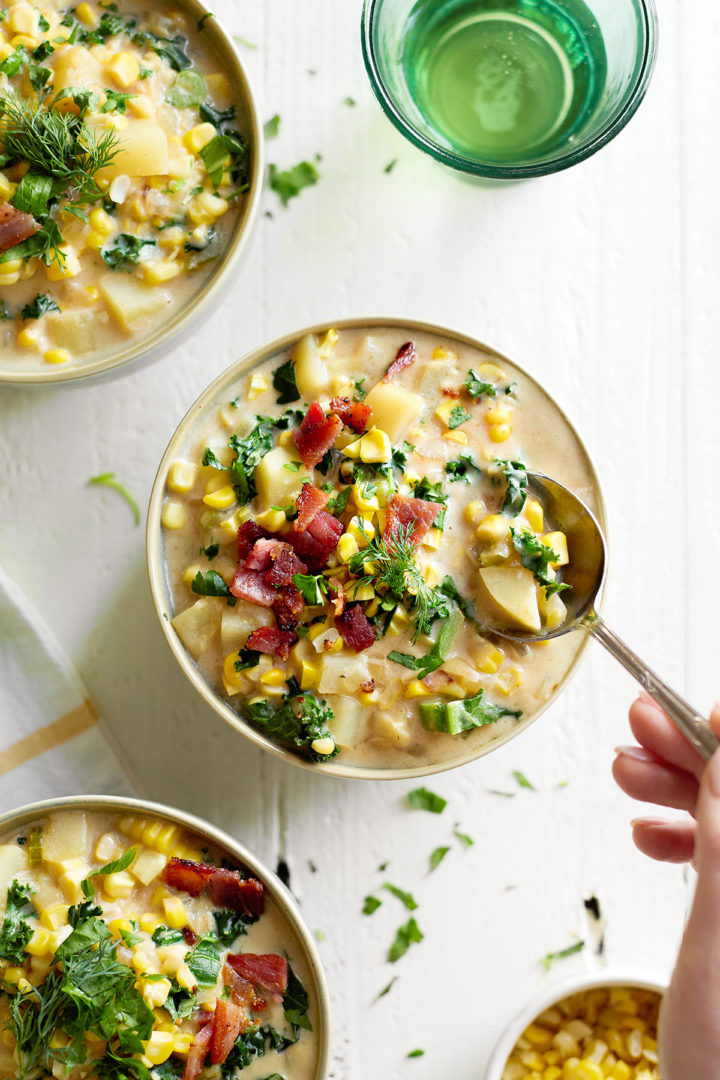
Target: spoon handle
687,720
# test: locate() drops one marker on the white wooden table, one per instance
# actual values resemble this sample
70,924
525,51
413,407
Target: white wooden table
602,281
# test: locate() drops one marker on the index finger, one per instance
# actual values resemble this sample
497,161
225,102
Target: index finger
653,730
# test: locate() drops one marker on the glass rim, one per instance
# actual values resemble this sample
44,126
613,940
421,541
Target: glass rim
649,25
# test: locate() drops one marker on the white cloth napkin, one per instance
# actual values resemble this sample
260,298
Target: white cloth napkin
51,742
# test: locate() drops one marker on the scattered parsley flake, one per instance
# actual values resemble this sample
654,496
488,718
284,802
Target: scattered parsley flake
465,840
406,936
350,102
405,898
391,165
523,781
387,989
416,1053
458,417
437,857
288,183
422,799
550,958
271,127
371,905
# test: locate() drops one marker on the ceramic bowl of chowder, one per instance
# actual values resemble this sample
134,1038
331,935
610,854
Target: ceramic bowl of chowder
137,940
331,526
130,172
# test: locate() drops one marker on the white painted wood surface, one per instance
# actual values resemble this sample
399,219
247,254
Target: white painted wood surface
601,281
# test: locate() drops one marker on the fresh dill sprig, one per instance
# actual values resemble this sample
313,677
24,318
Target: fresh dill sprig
394,568
55,144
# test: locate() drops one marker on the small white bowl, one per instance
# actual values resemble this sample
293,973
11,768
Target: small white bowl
551,995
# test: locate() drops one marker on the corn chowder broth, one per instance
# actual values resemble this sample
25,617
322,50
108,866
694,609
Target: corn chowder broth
54,855
135,256
376,701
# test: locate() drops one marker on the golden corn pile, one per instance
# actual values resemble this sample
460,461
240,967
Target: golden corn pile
603,1034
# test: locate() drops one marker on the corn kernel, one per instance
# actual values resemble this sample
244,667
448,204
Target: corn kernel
41,943
535,515
159,1046
272,520
257,385
118,885
101,221
57,356
500,433
7,190
23,20
492,529
165,840
363,502
124,69
28,338
273,677
13,974
416,689
181,476
175,914
360,592
221,499
362,530
87,15
156,273
199,136
347,547
69,268
509,680
174,514
55,916
456,436
489,659
182,1041
432,539
325,747
499,414
558,542
444,354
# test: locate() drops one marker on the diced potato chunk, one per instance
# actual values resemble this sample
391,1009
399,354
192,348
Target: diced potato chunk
552,609
13,861
394,409
392,728
275,483
311,373
197,625
132,302
74,330
338,675
148,865
66,836
350,723
239,622
76,67
142,151
512,595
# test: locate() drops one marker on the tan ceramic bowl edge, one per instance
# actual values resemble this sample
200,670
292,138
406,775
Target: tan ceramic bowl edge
155,561
24,815
153,345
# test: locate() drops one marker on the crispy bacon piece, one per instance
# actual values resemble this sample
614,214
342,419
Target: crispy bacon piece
353,414
316,434
229,889
251,585
268,639
198,1053
338,601
15,226
406,356
316,545
285,565
230,1019
355,629
403,511
288,607
264,970
248,535
190,936
261,556
242,991
187,876
310,501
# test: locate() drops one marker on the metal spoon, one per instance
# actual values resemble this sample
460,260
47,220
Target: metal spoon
586,574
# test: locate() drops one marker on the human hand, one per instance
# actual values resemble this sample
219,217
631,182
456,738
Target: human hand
665,770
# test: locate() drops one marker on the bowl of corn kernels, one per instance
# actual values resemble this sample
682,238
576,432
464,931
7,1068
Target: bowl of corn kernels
130,174
591,1027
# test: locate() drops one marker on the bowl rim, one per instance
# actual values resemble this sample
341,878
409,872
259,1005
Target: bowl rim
648,23
281,896
158,341
635,978
153,543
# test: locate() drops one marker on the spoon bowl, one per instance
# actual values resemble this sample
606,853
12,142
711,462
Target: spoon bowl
585,574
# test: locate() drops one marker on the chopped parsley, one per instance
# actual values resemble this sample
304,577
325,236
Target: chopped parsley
230,925
423,799
478,387
289,183
16,932
115,102
360,391
538,557
391,165
313,588
371,905
516,477
458,417
416,1053
247,658
460,468
338,504
522,780
449,629
406,936
450,589
405,898
210,584
125,250
295,1004
271,127
249,452
300,718
211,551
188,91
465,840
204,961
41,304
423,489
437,857
108,480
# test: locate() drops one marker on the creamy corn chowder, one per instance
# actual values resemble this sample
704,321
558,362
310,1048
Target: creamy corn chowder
121,169
342,526
130,949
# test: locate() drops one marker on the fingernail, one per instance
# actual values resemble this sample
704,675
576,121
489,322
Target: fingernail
653,823
635,752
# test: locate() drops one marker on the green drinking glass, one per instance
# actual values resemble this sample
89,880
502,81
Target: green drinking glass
509,89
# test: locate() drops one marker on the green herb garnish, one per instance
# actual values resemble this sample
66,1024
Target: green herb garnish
406,936
437,857
300,718
108,480
523,781
458,417
405,898
289,183
125,250
423,799
516,476
550,958
39,306
16,932
538,557
271,127
371,905
453,717
210,584
478,387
